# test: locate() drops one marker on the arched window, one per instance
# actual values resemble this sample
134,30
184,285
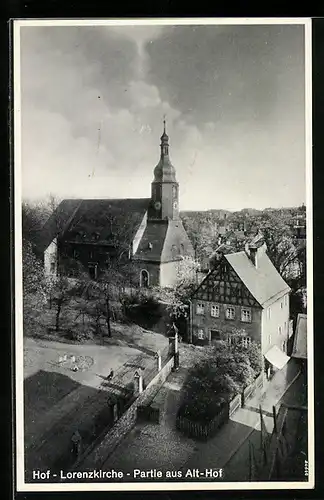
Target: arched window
144,278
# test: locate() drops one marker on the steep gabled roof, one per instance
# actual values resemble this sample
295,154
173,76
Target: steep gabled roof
300,340
164,241
95,220
104,221
264,282
151,245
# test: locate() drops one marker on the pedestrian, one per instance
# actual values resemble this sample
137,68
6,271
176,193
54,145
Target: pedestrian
76,443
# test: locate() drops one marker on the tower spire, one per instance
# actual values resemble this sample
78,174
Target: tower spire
164,140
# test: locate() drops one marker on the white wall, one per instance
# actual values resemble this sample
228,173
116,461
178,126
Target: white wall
278,317
168,273
50,256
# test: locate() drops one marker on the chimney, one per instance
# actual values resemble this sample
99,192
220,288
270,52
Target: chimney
254,255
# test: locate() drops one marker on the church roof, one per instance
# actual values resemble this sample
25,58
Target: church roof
103,220
164,241
152,242
264,282
96,220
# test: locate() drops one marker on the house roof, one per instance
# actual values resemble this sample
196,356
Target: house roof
264,282
300,341
96,220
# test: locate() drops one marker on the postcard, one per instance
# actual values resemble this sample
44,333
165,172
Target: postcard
163,254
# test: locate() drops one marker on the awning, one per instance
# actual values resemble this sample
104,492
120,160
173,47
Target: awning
276,357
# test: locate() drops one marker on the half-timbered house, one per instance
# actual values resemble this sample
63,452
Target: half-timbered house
243,291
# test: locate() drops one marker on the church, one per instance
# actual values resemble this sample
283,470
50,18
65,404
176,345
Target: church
147,232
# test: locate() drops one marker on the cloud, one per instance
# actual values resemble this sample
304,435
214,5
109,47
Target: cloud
92,115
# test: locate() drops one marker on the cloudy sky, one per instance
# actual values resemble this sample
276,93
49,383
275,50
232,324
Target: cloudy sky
93,100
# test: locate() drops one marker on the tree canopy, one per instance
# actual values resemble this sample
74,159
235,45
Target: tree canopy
224,372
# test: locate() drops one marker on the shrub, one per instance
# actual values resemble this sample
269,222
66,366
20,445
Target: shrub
214,381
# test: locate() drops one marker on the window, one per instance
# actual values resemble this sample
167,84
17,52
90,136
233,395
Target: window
269,313
214,310
246,315
215,335
144,278
286,300
279,330
201,334
269,338
53,267
200,309
93,271
91,254
76,254
230,313
281,305
246,341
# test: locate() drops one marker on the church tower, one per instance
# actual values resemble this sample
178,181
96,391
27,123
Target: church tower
164,242
165,188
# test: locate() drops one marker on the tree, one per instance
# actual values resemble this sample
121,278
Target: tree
62,292
224,372
201,229
33,272
177,297
34,285
34,217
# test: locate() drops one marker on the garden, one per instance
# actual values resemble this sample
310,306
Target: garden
212,383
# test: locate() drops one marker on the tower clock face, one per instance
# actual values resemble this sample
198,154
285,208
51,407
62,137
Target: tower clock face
157,205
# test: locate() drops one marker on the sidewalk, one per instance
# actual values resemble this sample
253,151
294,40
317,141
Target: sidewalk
219,450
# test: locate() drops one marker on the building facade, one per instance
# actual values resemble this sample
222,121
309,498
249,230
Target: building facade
243,292
100,234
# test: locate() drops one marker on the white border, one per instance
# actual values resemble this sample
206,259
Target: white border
153,486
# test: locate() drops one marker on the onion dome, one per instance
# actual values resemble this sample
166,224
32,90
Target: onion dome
164,171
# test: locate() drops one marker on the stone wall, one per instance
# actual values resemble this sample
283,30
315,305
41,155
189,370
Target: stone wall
103,448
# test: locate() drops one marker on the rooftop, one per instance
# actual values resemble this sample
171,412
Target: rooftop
263,281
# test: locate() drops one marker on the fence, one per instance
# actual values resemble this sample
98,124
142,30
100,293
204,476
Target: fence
250,389
235,404
202,430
